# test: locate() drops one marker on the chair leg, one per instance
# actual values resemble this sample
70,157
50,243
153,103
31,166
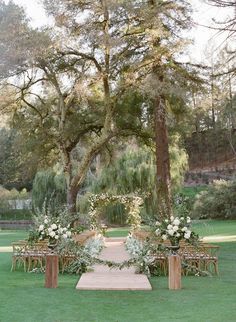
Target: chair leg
13,266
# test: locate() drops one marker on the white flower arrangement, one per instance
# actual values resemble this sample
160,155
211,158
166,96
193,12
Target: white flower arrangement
94,245
53,230
175,229
133,246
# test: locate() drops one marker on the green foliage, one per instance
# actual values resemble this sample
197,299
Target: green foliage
15,214
8,200
49,188
85,255
135,170
132,205
18,42
178,162
218,201
132,171
15,171
184,198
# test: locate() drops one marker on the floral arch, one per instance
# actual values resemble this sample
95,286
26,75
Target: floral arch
132,205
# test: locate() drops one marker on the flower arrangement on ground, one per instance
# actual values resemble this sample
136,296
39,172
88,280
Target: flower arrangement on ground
176,229
84,255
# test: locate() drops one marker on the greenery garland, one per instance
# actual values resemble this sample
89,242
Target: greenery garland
144,263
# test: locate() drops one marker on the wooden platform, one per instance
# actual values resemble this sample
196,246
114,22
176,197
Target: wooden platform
104,278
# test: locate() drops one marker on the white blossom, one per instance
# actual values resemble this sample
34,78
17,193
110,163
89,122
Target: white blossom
41,228
52,234
68,233
175,228
176,222
54,226
187,235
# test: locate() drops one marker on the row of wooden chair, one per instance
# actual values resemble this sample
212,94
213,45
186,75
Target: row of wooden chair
34,256
201,258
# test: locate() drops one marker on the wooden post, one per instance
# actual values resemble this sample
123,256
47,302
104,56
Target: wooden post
51,274
174,272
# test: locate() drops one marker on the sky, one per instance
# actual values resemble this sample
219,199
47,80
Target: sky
203,14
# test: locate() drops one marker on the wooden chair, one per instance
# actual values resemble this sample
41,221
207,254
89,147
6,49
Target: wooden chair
210,258
36,255
161,262
19,255
191,256
202,257
65,261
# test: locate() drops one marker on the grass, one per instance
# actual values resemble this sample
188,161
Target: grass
23,297
215,227
15,214
202,227
192,191
9,236
118,232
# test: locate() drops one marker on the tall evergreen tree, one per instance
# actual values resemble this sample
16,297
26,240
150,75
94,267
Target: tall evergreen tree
99,52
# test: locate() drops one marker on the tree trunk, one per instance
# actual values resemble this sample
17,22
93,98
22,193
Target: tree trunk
163,182
72,192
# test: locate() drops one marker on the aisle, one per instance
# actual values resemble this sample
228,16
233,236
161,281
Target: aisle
104,278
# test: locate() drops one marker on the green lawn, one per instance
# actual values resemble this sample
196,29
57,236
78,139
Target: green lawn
9,236
215,227
118,232
23,297
192,191
202,227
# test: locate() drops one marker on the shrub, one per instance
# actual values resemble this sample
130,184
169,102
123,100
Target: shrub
15,214
218,202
